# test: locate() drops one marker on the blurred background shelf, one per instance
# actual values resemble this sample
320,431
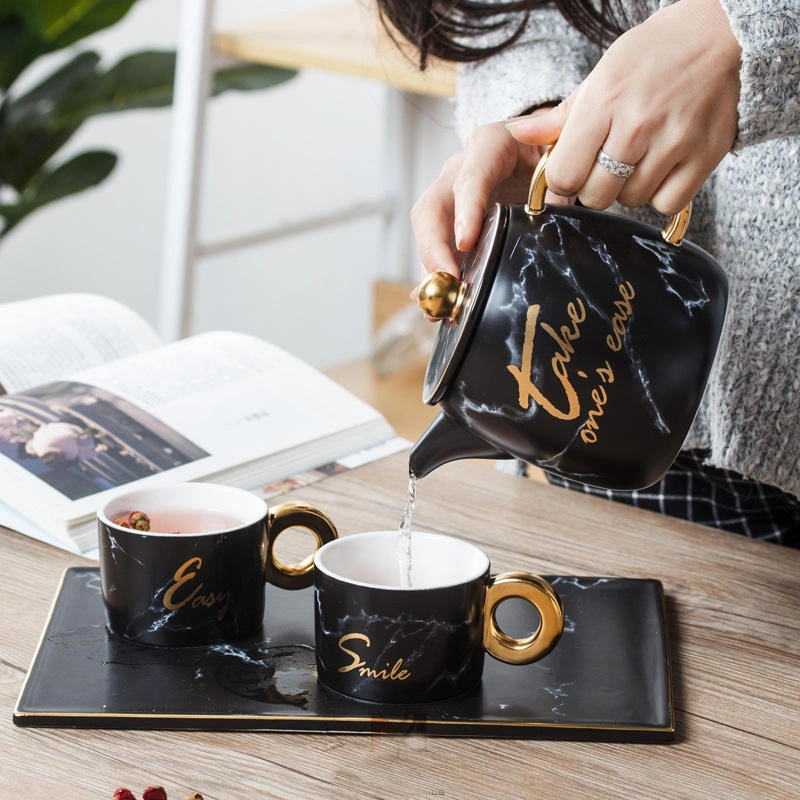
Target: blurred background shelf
348,39
398,394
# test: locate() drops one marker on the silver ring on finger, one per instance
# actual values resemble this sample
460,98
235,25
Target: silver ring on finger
618,168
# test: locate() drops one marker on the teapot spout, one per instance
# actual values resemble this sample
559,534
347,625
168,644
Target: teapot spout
445,441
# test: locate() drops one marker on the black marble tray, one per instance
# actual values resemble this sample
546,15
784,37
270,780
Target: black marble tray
608,678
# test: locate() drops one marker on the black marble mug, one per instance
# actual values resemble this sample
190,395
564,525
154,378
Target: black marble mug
197,577
380,640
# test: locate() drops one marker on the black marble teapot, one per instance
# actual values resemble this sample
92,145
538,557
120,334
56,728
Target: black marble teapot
576,340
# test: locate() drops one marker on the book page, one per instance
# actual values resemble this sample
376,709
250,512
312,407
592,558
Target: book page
231,392
214,405
48,337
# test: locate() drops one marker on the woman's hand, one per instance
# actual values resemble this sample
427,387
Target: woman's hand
663,99
448,217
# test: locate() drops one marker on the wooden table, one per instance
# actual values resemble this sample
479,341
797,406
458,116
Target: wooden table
734,624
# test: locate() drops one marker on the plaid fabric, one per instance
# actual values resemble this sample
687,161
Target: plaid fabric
717,497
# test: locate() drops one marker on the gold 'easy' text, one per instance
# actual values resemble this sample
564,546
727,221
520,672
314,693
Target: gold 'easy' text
187,590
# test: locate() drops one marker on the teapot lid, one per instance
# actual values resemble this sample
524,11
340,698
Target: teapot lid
459,304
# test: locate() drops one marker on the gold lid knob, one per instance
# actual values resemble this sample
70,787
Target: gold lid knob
440,295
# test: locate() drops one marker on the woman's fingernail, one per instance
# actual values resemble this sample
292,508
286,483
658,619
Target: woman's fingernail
519,122
459,231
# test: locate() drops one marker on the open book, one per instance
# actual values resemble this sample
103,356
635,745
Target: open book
90,400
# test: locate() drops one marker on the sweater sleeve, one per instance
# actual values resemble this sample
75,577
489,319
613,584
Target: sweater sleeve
768,32
552,58
543,66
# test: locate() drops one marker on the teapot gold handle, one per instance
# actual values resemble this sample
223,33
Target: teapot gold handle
672,233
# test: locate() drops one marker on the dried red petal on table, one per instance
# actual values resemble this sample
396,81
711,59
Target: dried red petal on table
124,794
154,793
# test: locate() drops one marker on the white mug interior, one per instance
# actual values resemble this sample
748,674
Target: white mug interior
374,559
237,505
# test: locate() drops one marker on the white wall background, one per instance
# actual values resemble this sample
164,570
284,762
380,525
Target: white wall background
304,146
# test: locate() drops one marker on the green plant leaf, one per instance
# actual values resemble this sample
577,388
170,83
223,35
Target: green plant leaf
141,80
64,22
30,29
76,175
146,80
29,134
249,78
35,126
17,50
51,90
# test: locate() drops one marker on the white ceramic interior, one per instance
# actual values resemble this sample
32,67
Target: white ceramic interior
375,558
240,504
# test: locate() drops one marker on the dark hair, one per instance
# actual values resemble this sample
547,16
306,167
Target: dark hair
443,28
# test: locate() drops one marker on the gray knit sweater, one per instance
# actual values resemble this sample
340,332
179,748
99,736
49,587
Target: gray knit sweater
747,216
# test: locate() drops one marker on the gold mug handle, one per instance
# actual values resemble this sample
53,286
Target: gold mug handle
540,594
295,515
672,233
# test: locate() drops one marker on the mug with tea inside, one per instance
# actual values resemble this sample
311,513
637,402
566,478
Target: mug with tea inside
383,638
186,564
